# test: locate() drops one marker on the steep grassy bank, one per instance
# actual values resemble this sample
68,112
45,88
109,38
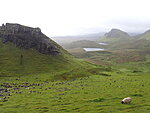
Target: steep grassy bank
33,62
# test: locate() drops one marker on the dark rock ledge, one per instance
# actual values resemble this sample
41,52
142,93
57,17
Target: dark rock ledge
28,37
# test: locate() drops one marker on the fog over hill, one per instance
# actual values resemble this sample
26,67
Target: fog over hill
69,39
116,33
145,35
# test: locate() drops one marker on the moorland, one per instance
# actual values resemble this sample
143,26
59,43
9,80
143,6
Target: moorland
78,81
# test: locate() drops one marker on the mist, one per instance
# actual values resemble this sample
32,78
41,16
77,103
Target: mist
76,17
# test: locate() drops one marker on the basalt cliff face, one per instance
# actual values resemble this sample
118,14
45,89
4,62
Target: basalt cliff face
28,37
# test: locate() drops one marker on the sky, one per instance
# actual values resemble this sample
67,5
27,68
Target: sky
75,17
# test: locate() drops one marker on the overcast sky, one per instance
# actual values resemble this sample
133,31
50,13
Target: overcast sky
73,17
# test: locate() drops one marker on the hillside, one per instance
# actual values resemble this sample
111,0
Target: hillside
63,40
121,48
82,44
53,81
27,51
115,35
145,35
69,85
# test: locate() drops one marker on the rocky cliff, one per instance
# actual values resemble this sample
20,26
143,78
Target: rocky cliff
28,37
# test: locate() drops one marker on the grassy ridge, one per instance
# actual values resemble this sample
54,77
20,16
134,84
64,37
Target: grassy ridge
82,44
146,36
33,62
63,66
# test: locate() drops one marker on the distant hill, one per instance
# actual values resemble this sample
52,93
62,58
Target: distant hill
68,39
82,44
115,35
121,40
145,35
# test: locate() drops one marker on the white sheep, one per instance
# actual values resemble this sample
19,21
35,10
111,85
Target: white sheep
126,100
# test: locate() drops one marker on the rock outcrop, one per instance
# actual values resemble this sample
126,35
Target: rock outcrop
28,37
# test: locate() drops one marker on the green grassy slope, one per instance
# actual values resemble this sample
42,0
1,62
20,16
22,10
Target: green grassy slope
115,36
82,44
146,35
52,83
112,40
98,90
100,93
33,62
63,66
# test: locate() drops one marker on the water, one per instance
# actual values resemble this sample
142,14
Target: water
93,49
102,43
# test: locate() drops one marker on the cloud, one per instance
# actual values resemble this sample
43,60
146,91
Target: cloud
70,17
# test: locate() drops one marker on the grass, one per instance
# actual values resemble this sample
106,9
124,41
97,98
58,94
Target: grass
93,94
63,84
146,36
33,62
101,91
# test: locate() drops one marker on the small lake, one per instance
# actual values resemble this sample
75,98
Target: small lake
102,43
93,49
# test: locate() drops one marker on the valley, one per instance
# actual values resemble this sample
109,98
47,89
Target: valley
93,82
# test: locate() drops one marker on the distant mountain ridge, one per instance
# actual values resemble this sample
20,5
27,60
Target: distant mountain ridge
68,39
114,35
82,44
117,33
145,35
